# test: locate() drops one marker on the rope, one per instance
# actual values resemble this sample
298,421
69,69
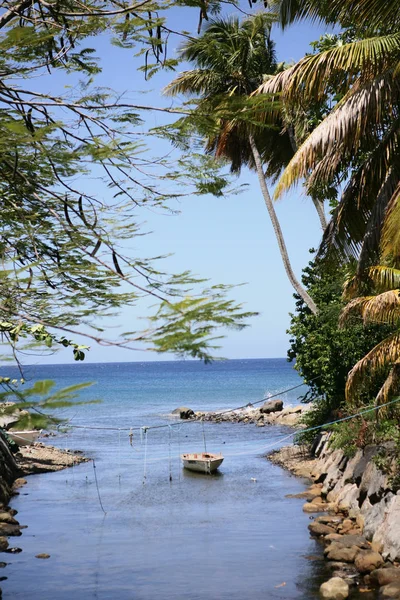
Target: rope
97,486
145,453
169,453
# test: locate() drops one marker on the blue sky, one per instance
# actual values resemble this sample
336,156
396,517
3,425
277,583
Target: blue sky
228,240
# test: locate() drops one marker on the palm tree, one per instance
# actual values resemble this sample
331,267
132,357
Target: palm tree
359,139
231,58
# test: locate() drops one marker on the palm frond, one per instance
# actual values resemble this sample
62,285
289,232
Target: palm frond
390,388
369,368
383,308
343,131
364,202
390,244
195,81
355,308
384,278
372,57
375,13
380,277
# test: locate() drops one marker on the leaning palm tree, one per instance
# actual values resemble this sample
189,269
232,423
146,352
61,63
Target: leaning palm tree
359,139
231,58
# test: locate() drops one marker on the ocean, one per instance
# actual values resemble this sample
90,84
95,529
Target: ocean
165,532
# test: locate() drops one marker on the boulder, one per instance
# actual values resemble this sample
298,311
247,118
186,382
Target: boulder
333,537
5,517
388,533
335,588
374,483
347,541
392,590
42,555
368,560
3,544
335,551
385,576
331,520
319,529
184,412
271,406
316,506
7,529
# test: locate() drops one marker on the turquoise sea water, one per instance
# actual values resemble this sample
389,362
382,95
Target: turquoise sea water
167,533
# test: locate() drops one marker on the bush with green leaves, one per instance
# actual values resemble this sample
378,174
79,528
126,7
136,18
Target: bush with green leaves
323,352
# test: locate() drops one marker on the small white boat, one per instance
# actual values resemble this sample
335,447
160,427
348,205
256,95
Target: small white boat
202,462
24,438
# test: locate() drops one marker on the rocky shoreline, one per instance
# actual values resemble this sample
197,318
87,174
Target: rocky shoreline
270,413
360,525
37,458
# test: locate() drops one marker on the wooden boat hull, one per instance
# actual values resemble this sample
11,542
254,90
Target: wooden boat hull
202,462
24,438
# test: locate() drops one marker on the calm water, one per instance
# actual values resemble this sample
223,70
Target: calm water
192,538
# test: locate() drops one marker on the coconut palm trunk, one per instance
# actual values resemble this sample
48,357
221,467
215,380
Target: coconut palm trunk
277,229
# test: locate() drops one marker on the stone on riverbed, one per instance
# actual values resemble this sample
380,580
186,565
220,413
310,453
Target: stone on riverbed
385,576
335,551
392,590
335,588
319,529
6,529
368,560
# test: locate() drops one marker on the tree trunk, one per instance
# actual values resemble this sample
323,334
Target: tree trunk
321,213
277,229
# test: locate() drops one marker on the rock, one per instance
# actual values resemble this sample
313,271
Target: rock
374,483
19,482
5,517
334,589
3,565
331,520
388,534
316,505
307,495
333,537
335,551
368,560
3,544
346,525
9,530
385,576
43,555
354,540
392,590
271,406
184,412
319,529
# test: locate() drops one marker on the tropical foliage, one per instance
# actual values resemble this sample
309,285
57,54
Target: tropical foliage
382,362
357,142
231,57
325,352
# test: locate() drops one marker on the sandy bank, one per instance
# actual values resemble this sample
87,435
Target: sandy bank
40,458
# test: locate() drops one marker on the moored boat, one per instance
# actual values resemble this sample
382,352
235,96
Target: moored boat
202,462
24,438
